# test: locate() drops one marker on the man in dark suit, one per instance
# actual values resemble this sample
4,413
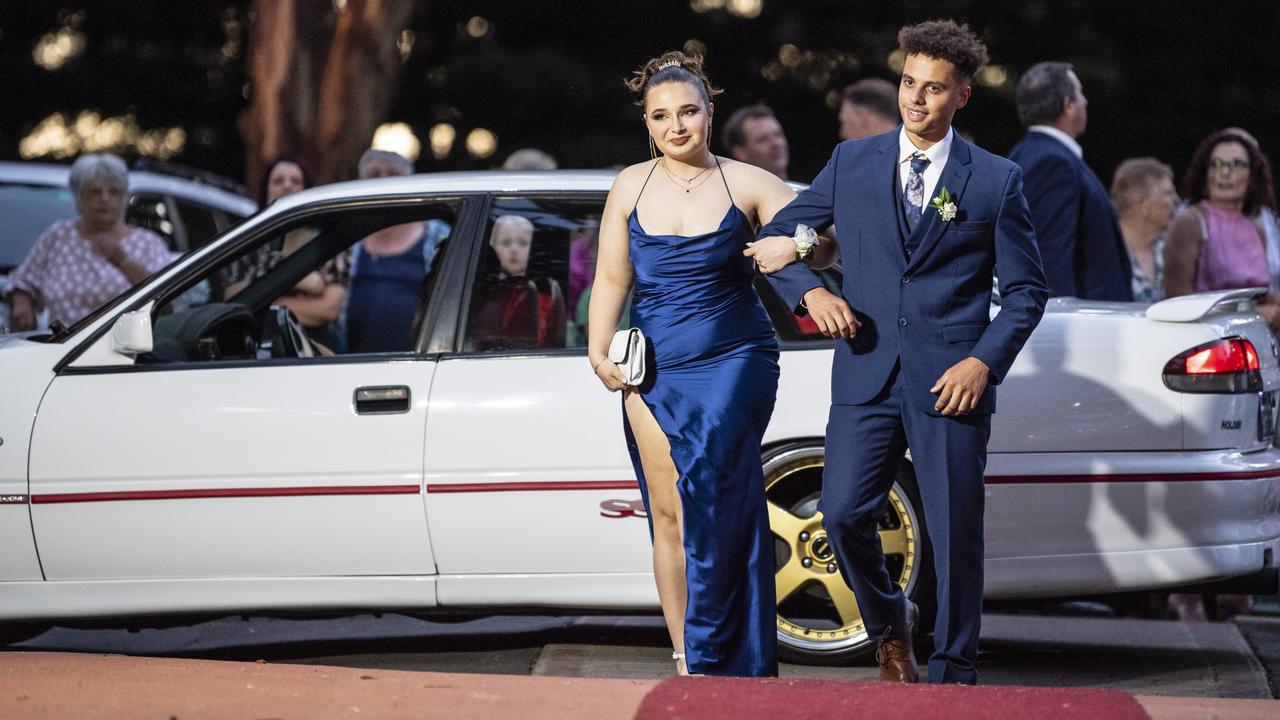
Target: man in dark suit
1080,240
924,219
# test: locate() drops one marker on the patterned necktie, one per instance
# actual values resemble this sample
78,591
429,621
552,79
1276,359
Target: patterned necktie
915,189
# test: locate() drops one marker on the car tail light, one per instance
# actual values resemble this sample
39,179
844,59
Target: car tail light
1229,365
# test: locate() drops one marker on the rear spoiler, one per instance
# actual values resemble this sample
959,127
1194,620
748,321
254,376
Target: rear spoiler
1190,308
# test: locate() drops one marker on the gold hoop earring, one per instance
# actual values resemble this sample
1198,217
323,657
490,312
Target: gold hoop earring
653,148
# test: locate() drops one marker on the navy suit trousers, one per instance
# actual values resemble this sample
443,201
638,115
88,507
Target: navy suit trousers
865,444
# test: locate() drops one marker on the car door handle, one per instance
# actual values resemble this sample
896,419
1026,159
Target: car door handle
382,400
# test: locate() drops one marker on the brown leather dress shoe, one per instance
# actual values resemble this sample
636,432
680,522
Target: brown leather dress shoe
896,653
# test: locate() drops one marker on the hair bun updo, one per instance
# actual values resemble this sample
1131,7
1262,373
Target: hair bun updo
671,66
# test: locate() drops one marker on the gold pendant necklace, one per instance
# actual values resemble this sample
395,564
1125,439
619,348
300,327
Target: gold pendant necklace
687,186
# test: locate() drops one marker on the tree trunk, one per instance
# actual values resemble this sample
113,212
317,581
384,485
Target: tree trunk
321,82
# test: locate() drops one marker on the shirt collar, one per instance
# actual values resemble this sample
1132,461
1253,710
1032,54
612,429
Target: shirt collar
937,151
1061,137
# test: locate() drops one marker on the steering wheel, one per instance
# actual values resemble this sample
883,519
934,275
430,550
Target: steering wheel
288,339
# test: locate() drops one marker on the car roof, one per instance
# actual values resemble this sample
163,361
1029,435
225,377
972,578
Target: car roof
451,183
458,183
34,173
139,181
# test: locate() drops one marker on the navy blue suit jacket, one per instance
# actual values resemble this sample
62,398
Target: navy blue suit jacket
932,310
1076,227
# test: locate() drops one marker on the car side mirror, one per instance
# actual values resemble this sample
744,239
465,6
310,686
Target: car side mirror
131,333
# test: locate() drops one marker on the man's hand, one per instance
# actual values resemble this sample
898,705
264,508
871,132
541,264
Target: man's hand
961,386
832,314
772,253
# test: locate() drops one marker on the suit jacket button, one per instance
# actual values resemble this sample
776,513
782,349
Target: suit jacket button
902,322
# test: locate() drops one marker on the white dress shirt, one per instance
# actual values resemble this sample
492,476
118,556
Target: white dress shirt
938,154
1061,137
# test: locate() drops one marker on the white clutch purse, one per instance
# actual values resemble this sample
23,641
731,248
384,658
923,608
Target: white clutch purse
627,350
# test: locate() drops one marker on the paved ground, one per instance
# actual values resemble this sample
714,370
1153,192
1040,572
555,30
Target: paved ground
87,686
1263,636
1138,656
1142,657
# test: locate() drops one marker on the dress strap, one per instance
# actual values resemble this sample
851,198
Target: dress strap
723,179
645,185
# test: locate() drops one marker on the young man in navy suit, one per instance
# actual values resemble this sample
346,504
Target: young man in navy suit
924,219
1076,227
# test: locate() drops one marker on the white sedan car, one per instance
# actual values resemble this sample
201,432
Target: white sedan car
160,460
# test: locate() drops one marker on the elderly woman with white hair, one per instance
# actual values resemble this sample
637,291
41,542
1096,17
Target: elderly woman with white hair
77,265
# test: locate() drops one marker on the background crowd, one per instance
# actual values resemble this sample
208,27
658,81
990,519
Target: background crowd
1144,238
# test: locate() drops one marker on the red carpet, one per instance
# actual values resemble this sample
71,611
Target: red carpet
705,698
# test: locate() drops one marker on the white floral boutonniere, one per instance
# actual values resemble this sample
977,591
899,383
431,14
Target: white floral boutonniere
945,205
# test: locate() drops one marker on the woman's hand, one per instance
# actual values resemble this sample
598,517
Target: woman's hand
609,374
22,313
109,247
312,285
772,253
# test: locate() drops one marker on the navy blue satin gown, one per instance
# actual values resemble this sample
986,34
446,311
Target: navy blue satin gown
713,376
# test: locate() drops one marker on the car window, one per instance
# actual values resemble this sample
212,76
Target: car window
533,279
199,223
228,219
151,211
26,211
788,325
331,283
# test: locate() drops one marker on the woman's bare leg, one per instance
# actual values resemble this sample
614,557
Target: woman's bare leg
667,516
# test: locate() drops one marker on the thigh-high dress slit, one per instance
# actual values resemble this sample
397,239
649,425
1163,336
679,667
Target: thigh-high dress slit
713,376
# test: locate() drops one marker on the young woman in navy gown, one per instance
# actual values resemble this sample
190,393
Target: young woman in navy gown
672,237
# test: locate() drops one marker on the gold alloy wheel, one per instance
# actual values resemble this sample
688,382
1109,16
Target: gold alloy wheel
817,612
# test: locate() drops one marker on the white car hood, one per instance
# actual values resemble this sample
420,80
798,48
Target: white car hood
16,340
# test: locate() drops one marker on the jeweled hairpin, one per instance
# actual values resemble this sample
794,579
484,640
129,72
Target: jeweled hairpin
669,63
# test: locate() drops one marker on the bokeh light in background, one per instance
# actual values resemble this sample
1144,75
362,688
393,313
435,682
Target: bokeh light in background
481,143
405,44
895,61
441,138
398,138
55,49
745,8
993,76
741,8
59,138
478,27
548,74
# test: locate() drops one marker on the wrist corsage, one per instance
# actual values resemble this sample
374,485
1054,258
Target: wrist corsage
805,238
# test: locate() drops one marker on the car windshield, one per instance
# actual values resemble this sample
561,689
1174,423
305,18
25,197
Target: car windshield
25,212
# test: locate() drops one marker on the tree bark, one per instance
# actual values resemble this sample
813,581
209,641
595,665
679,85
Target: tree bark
322,79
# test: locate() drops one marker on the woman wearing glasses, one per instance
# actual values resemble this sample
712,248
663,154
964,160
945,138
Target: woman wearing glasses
1217,241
